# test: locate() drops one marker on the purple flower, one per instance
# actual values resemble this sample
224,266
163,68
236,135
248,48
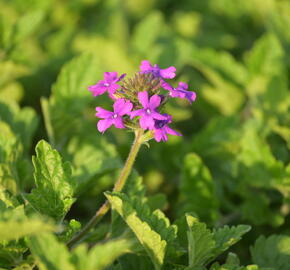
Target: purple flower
181,92
109,84
148,114
121,107
161,129
167,73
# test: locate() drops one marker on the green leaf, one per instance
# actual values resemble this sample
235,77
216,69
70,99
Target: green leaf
11,151
223,62
100,256
27,24
17,28
273,251
256,208
19,225
204,245
153,230
227,236
266,56
91,157
53,195
224,95
10,71
147,31
200,242
24,266
72,84
134,188
23,121
49,253
130,261
217,138
257,161
70,230
197,189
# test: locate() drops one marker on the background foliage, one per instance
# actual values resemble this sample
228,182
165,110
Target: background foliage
231,166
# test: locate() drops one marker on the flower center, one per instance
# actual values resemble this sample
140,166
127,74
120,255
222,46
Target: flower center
115,115
160,124
148,111
106,84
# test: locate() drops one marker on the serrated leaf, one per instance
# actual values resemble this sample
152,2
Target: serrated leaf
100,256
197,189
49,253
53,195
273,251
24,266
200,242
204,245
153,230
133,188
14,224
227,236
130,261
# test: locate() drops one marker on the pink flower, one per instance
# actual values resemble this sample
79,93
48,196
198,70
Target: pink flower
161,129
121,107
148,114
181,92
109,84
167,73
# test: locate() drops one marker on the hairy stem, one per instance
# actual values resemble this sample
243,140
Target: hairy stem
117,187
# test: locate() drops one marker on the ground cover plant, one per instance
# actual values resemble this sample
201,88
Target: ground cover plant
144,135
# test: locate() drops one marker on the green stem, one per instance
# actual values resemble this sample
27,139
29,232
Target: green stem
118,187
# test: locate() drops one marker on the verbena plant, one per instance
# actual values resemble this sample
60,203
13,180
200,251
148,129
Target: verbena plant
33,231
230,167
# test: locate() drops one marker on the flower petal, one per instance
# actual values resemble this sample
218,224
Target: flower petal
145,66
98,89
121,77
168,73
154,102
182,86
136,113
118,105
171,131
158,116
158,135
110,76
104,124
122,107
143,98
166,85
118,122
102,113
191,96
146,122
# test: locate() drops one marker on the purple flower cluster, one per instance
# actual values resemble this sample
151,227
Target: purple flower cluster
138,101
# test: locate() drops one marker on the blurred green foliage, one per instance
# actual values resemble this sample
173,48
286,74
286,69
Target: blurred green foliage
231,166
